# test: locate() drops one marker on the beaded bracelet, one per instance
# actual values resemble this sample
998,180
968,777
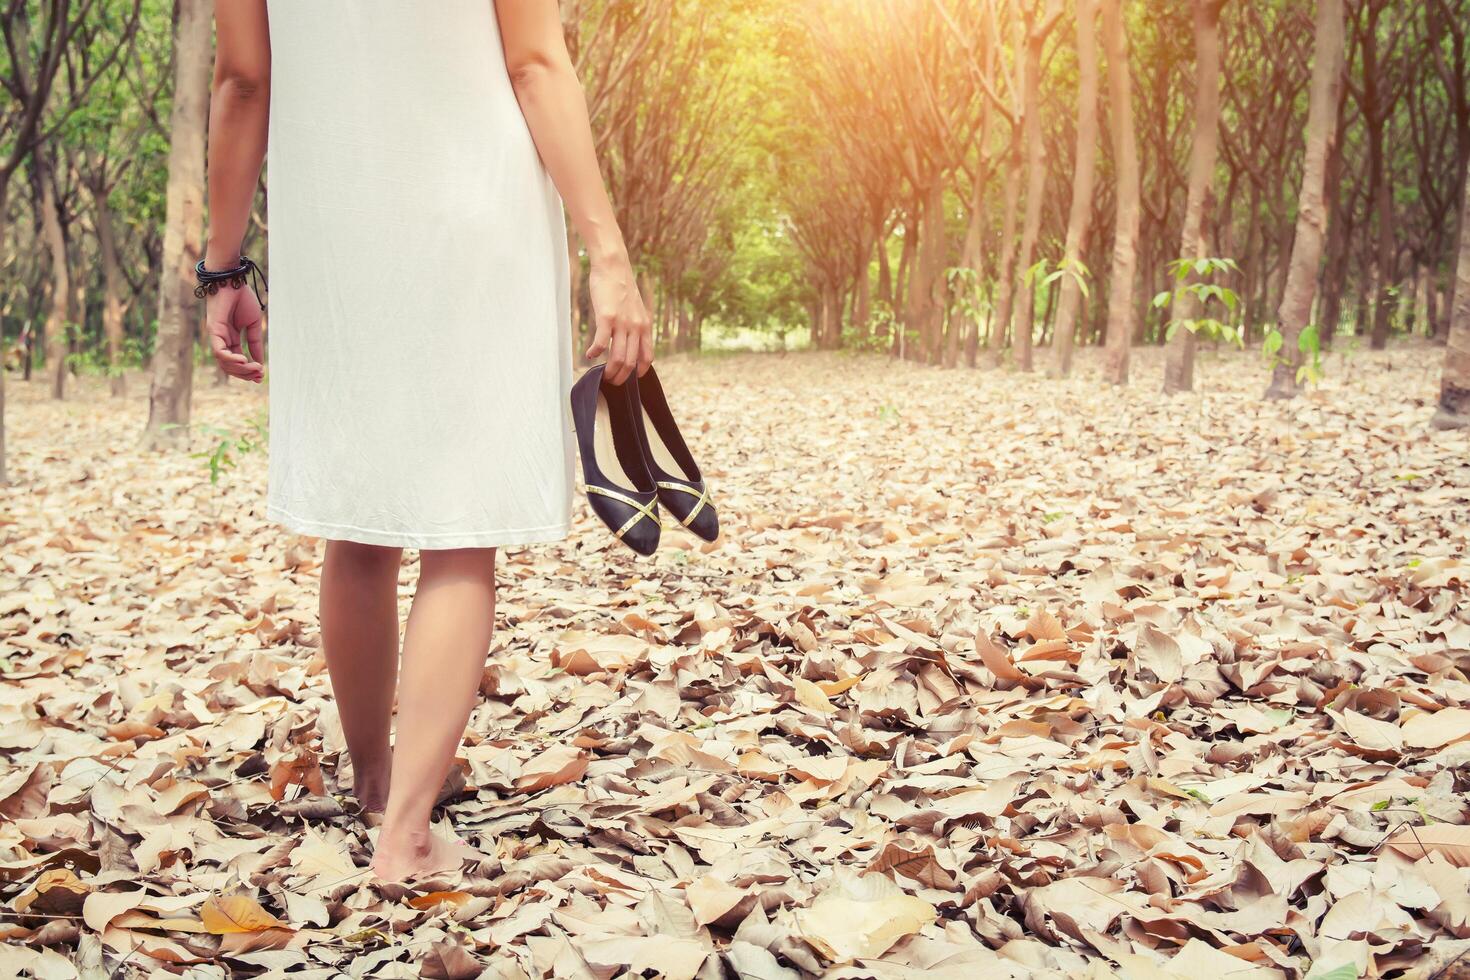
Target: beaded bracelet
211,279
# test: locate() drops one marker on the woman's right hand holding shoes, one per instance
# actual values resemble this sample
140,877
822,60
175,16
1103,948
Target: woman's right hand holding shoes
624,328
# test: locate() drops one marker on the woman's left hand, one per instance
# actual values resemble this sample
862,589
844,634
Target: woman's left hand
624,328
233,314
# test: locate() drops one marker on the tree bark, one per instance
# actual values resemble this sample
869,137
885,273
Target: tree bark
1084,179
1125,232
1179,358
903,282
885,274
574,267
862,313
928,278
53,332
970,258
112,287
4,212
1024,326
1006,281
1375,117
831,320
1339,224
1306,251
1454,391
4,473
173,360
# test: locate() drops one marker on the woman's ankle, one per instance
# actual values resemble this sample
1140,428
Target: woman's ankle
405,836
371,795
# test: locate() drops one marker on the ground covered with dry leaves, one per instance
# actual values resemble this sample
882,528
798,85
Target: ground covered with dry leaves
988,676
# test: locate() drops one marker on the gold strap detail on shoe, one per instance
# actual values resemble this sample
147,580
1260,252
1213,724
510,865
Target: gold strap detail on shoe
701,497
641,510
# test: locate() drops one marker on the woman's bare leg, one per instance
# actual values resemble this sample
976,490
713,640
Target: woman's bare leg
444,649
359,617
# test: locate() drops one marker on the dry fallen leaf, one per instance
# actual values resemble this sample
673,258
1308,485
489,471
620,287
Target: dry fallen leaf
812,696
227,914
861,917
557,765
1447,841
430,899
1426,730
57,891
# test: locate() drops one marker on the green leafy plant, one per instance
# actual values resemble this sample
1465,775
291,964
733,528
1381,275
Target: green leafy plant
964,287
1308,344
1191,278
226,446
1044,274
883,325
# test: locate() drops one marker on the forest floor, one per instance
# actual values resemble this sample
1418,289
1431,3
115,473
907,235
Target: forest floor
988,675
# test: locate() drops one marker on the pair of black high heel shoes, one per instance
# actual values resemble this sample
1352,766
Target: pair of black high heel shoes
634,459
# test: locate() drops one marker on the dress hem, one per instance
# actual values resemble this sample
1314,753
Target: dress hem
396,539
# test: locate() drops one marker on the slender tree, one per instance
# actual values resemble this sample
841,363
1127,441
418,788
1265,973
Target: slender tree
173,358
1179,360
1377,95
54,329
1454,391
1039,24
1084,179
1311,222
1121,292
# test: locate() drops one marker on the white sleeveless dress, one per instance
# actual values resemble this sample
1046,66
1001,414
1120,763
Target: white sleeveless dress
418,315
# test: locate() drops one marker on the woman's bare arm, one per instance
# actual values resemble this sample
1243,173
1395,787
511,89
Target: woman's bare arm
555,108
239,111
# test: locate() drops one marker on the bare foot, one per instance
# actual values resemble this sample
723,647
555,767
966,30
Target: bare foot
399,857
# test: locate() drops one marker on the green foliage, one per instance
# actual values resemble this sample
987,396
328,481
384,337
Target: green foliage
883,324
227,446
1075,268
1308,344
1190,278
966,289
1345,972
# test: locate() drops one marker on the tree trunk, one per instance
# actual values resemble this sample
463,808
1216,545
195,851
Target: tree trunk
4,474
1047,314
1006,280
1454,391
885,287
970,259
827,325
1311,220
1179,358
112,287
928,280
1025,317
53,333
1084,177
1375,116
1431,305
173,360
574,268
863,302
1125,233
904,282
4,230
1334,271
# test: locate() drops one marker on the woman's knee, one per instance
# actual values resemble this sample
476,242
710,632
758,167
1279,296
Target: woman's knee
361,555
477,563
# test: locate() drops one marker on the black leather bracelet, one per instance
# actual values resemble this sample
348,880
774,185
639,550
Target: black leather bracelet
211,279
